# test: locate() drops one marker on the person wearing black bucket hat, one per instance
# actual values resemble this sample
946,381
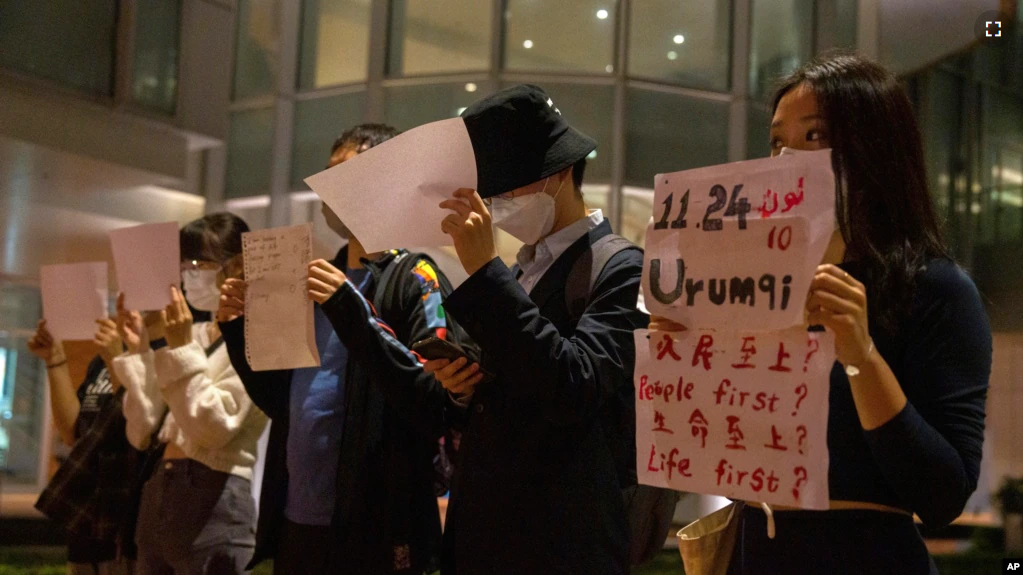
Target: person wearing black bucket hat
548,443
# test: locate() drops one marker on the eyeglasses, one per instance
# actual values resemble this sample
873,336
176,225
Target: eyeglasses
187,265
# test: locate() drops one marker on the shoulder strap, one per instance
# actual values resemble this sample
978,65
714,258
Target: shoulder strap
587,269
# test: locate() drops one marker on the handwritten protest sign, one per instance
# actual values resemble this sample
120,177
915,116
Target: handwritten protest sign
74,297
279,330
736,245
736,414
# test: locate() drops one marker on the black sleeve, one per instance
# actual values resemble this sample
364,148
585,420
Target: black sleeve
268,389
568,376
391,365
930,452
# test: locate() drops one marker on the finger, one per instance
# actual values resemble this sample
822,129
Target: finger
828,283
432,366
833,303
451,369
105,323
454,222
466,386
120,302
462,208
477,204
237,283
227,301
232,290
319,285
180,307
323,275
837,272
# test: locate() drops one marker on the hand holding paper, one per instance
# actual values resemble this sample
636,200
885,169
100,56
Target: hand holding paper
279,330
388,196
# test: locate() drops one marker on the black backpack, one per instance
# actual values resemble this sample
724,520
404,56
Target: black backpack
648,509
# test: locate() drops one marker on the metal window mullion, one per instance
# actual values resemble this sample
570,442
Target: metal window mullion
738,112
290,15
618,119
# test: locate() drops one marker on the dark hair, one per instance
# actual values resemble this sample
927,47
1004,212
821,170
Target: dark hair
578,171
214,237
364,136
883,206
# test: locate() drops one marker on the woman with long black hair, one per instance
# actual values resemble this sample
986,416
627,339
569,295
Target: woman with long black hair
907,394
906,419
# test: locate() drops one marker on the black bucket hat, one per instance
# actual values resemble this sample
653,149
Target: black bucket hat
520,137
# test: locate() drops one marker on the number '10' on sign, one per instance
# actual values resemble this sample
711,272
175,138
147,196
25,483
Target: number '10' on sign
736,207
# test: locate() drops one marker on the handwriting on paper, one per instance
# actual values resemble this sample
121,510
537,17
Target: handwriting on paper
279,330
735,414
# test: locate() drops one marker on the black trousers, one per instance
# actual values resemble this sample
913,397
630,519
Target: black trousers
833,542
303,549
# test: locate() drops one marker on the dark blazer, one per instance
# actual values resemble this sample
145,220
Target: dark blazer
537,486
386,517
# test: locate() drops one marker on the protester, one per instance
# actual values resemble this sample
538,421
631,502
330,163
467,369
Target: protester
91,493
197,514
348,481
549,443
907,401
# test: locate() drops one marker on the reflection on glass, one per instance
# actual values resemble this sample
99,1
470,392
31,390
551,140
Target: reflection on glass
249,144
22,386
255,60
590,109
67,41
782,38
686,43
436,36
155,63
335,42
410,106
318,123
667,133
563,36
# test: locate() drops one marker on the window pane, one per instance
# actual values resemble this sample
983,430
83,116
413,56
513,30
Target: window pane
335,43
637,208
590,109
155,74
256,51
434,36
836,24
668,133
781,41
411,106
758,132
22,386
249,144
562,36
68,41
317,124
684,43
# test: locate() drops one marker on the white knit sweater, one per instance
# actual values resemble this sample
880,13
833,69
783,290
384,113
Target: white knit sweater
211,417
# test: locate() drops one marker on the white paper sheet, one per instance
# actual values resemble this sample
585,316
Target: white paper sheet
388,196
147,259
738,414
753,275
279,330
74,297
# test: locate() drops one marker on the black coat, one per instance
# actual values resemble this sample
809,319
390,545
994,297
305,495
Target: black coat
386,517
537,482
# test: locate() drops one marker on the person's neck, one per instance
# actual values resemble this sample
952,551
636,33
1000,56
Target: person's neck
574,212
356,253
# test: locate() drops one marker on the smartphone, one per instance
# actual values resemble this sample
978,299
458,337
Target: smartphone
435,349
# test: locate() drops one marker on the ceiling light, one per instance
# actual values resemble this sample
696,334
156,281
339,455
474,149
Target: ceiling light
527,44
679,38
672,55
602,14
470,87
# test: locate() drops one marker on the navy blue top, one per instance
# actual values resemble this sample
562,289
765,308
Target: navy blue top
317,420
927,458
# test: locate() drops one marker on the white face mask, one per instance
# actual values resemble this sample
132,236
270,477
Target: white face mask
201,289
528,218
